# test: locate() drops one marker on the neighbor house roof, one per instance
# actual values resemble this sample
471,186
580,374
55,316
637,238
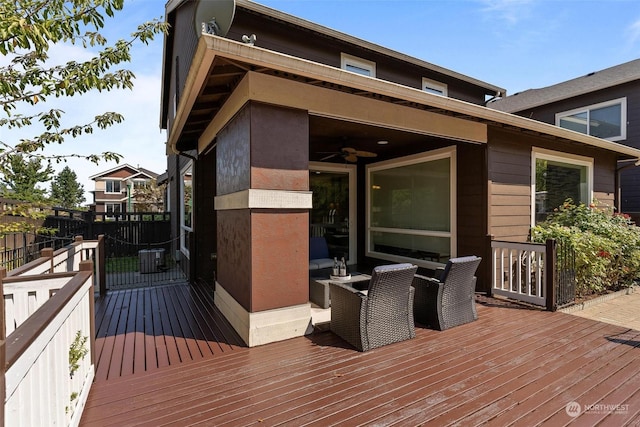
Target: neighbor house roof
592,82
137,171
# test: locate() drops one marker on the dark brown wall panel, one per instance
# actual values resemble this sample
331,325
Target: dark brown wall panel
280,259
233,156
279,148
234,254
205,218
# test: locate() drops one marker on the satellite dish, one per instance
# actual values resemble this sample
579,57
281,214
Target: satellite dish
214,17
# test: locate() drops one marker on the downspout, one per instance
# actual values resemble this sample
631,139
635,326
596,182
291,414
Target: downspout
498,95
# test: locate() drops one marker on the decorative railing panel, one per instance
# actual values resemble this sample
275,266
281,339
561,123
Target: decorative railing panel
518,271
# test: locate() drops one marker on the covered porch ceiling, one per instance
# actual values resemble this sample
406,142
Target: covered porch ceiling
220,65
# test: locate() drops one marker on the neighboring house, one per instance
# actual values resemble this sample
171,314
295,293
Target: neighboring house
311,131
115,190
605,104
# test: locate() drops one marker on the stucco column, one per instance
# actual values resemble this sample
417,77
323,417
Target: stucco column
262,204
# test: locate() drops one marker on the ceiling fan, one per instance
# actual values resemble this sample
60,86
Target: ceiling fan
349,154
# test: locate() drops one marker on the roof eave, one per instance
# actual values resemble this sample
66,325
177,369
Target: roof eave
211,46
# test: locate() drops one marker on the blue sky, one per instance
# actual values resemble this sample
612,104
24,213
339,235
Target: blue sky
515,44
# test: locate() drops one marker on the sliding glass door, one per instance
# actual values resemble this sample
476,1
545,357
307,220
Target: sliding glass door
333,212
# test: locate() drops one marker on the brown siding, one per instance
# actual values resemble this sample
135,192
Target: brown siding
278,244
630,178
205,264
471,199
279,148
233,159
234,252
509,163
319,48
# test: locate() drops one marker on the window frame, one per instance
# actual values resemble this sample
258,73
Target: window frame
557,156
347,60
439,154
112,181
587,109
434,87
184,229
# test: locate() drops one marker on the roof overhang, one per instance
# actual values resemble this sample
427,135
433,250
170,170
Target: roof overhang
217,82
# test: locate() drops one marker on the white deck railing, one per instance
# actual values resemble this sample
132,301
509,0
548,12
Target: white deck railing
47,307
518,271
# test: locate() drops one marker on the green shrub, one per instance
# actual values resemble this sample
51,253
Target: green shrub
606,244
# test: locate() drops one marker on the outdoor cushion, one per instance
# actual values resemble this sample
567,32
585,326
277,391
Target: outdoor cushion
319,254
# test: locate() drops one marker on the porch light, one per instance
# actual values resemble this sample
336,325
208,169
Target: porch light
375,187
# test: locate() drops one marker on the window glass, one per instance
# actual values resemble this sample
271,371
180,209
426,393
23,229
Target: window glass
113,186
187,199
605,122
576,122
410,210
556,182
359,70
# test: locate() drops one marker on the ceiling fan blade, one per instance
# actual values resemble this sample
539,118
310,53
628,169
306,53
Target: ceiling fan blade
351,158
328,157
349,150
365,154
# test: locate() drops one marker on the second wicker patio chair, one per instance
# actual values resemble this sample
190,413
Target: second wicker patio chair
379,316
448,301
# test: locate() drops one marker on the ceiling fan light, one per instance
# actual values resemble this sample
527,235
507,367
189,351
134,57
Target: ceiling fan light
383,142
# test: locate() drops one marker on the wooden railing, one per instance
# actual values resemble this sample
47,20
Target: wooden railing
519,271
48,322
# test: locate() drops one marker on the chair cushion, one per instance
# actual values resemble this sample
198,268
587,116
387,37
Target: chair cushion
318,264
318,248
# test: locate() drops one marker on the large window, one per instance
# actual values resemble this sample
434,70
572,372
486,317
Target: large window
358,65
112,186
559,177
411,208
186,210
606,120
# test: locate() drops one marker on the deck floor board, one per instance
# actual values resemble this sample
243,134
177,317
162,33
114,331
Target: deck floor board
514,366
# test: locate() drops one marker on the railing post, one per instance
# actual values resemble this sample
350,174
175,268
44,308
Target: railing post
88,266
550,274
101,267
48,253
489,269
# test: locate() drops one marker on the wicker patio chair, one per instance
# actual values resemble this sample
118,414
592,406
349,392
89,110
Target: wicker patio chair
447,301
381,315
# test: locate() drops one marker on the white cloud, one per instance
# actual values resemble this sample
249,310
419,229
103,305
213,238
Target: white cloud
510,11
633,32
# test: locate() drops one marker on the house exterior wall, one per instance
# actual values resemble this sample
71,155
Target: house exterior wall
302,43
630,177
509,179
322,49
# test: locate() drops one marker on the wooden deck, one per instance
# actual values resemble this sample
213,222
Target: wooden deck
513,366
141,330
